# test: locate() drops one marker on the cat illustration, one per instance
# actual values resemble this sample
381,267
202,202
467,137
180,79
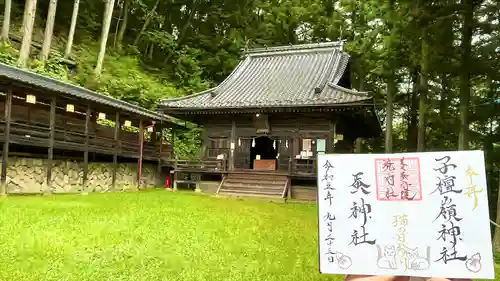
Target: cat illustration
416,262
387,258
344,261
473,264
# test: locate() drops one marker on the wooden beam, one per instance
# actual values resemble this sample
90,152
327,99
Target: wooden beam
141,146
6,140
51,144
116,149
86,150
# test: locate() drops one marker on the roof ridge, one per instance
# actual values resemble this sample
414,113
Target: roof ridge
349,91
188,96
240,67
293,48
325,76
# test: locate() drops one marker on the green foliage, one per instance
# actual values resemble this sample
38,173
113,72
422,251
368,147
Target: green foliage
122,78
8,54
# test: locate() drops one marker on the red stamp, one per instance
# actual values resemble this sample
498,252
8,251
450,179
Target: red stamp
398,179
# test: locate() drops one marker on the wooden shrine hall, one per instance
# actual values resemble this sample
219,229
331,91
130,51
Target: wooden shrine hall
45,120
267,122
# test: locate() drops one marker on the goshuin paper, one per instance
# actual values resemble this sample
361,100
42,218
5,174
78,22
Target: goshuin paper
412,214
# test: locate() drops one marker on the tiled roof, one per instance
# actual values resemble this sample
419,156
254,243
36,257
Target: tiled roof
33,79
292,76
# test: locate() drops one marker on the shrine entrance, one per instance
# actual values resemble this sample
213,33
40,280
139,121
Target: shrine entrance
263,154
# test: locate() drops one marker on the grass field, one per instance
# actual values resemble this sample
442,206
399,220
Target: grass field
156,236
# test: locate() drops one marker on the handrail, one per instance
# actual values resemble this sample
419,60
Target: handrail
221,183
285,189
306,168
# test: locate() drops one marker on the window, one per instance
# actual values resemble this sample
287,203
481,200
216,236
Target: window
306,150
321,146
217,146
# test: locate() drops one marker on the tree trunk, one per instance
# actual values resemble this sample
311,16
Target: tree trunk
123,25
29,21
108,13
6,20
391,85
117,25
391,93
412,133
72,28
151,51
49,28
422,107
25,14
468,10
146,23
496,238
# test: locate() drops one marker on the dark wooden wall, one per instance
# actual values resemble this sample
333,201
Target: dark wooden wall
288,129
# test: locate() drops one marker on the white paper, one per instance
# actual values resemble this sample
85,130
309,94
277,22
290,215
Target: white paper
426,215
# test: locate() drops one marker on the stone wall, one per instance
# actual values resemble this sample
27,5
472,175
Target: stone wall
28,175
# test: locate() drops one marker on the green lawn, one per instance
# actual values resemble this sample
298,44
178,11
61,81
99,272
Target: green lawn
156,235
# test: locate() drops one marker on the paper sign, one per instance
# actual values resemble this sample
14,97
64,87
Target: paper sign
413,214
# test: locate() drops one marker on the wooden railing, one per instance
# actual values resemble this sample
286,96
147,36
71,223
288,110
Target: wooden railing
201,165
100,141
302,167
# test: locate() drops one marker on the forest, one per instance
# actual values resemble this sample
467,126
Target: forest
431,66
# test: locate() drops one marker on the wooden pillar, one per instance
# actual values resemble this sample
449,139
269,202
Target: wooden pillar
159,133
358,145
86,150
139,161
232,146
51,144
116,148
174,157
6,140
332,136
204,138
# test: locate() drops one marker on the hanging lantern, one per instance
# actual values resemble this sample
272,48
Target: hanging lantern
239,141
274,144
150,129
253,142
70,108
127,123
101,116
30,99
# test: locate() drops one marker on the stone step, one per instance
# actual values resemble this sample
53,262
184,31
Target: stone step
254,190
252,187
250,192
254,182
270,177
270,198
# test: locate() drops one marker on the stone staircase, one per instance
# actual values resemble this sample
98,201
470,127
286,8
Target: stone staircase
254,184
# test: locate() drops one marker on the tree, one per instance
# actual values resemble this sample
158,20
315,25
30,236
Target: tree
28,22
104,35
72,28
123,25
467,30
6,20
49,28
391,78
146,22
